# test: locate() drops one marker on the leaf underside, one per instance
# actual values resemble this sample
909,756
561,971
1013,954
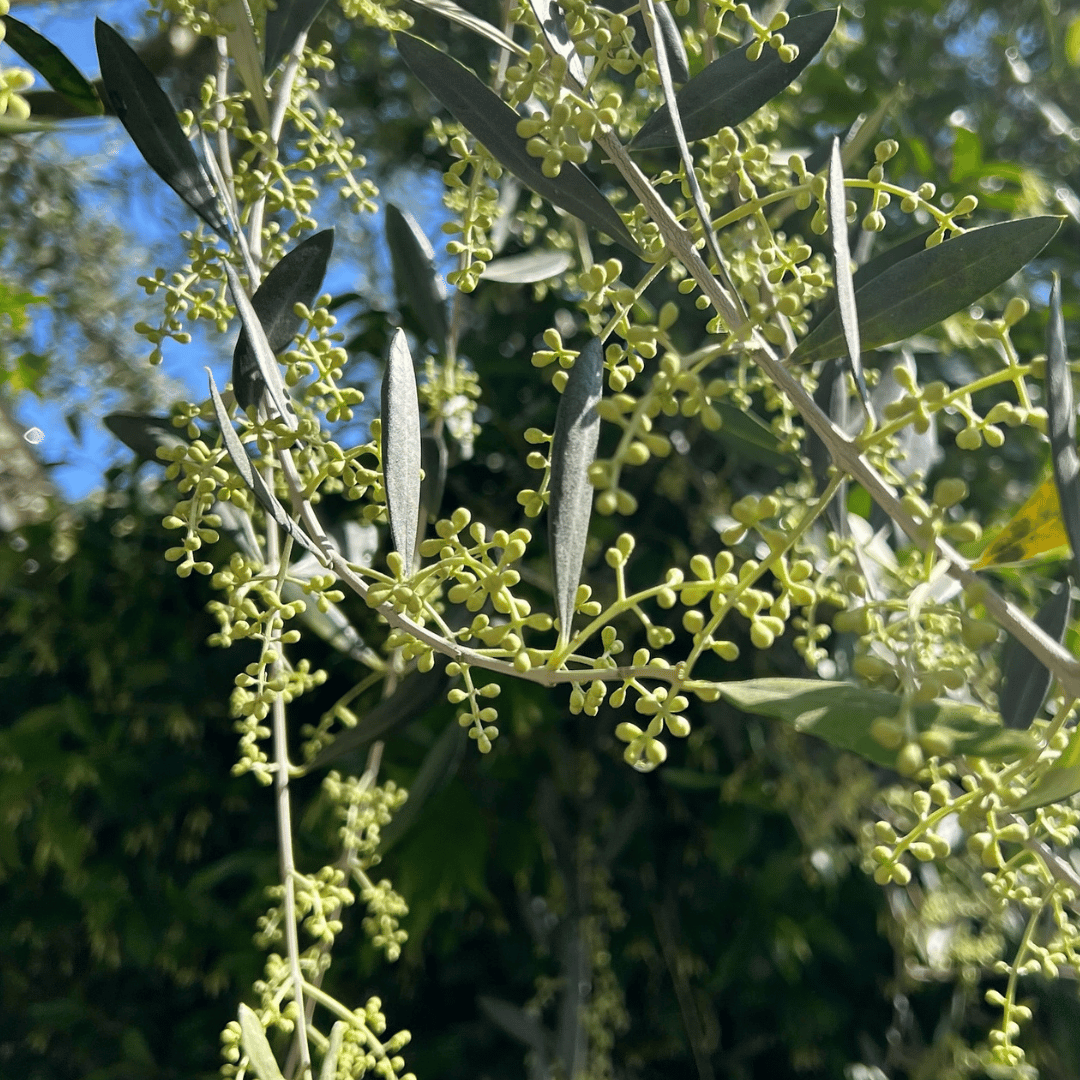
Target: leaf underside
401,450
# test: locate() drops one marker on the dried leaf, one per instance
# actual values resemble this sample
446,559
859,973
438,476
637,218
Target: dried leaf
733,88
552,22
930,285
296,279
1025,681
416,280
57,70
284,24
494,123
401,447
256,1047
573,449
150,119
1061,422
845,289
1035,529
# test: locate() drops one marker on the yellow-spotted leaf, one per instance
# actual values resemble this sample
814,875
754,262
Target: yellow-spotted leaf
1036,529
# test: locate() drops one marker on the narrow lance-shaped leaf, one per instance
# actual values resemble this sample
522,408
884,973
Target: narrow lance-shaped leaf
1024,680
264,354
250,475
733,88
448,9
921,290
528,268
673,42
845,289
145,434
1061,422
284,24
1060,782
333,1051
831,396
244,50
552,22
256,1047
296,279
401,453
494,123
573,449
150,119
417,282
1035,529
57,70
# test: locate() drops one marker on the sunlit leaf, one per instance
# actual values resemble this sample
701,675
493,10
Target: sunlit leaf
244,50
1061,422
329,1068
573,449
733,88
150,119
284,24
1035,529
401,447
145,434
526,269
845,288
256,1047
831,396
553,23
295,279
843,715
250,475
673,43
1072,41
1060,782
57,70
448,9
417,282
1025,681
494,123
917,292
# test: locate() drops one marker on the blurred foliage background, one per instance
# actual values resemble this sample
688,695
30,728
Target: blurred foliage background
741,939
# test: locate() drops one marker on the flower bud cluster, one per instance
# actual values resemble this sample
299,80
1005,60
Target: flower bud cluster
199,474
478,718
449,390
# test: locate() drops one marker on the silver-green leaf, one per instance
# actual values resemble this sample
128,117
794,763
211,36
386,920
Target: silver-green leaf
573,449
254,1042
401,452
1061,422
418,284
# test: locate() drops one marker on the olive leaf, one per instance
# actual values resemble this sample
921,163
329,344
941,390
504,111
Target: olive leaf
1060,781
329,1067
434,460
416,280
573,448
1025,681
57,70
673,42
845,288
553,23
1035,529
733,88
295,279
285,22
250,475
1061,422
401,453
745,434
256,1047
456,13
528,268
843,715
494,123
150,119
145,434
244,50
919,291
831,396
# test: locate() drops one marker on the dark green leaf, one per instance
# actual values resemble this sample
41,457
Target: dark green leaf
746,434
296,279
573,449
57,70
919,291
842,714
433,459
733,88
528,268
417,283
494,123
255,1046
250,475
845,289
1025,680
417,694
284,24
401,448
550,17
1061,422
673,43
144,434
150,119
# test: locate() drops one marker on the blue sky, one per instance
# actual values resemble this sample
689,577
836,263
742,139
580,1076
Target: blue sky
151,213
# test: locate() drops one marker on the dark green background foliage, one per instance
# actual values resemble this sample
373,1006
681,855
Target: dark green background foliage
132,867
